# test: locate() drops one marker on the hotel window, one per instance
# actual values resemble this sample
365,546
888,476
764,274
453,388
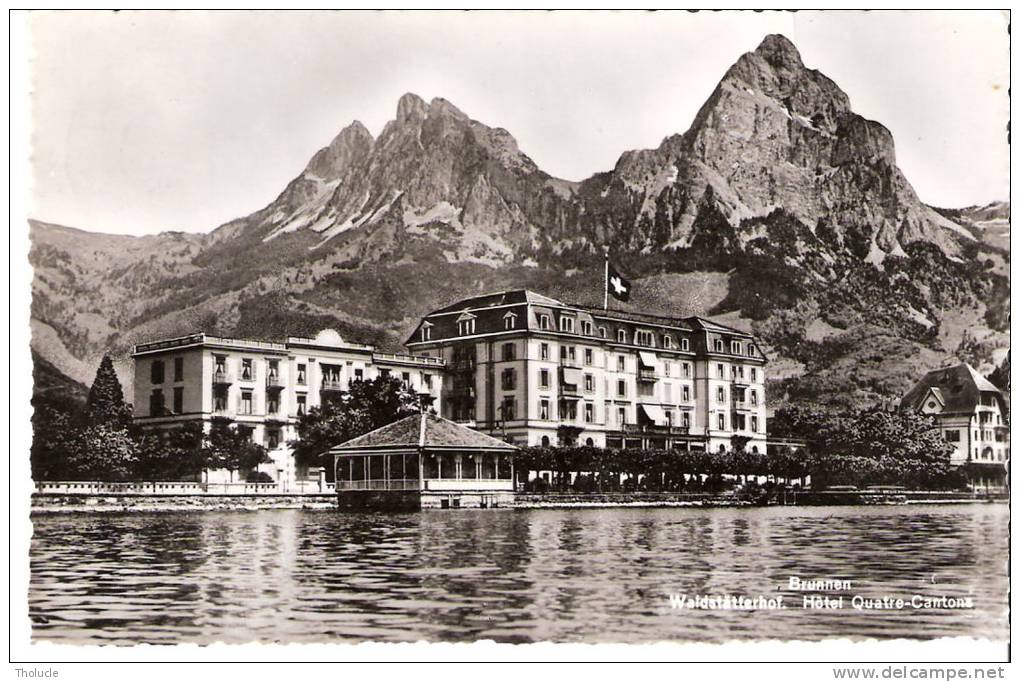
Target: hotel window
274,369
754,374
156,372
750,350
589,413
754,423
509,379
543,378
722,422
685,393
644,338
302,374
178,399
509,321
735,347
359,374
426,380
685,344
219,399
953,435
426,332
543,409
720,371
509,352
544,351
754,397
247,372
685,420
687,370
156,403
405,378
589,383
509,411
720,395
568,410
543,321
719,345
272,403
221,365
589,356
621,336
621,388
586,328
602,332
178,369
466,327
621,364
667,341
621,416
567,324
246,402
302,404
273,439
667,368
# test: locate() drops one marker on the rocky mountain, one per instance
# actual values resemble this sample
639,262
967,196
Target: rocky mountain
778,209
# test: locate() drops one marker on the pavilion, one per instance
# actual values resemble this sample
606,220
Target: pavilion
423,461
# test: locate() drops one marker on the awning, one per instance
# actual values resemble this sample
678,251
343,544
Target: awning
647,359
571,375
654,414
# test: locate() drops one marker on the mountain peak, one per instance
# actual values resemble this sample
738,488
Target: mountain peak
443,107
777,50
410,106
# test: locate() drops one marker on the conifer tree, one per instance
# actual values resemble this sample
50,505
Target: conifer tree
106,397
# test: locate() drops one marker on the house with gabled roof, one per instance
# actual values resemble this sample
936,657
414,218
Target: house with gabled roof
973,416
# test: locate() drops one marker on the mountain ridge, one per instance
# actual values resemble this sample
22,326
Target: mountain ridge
784,206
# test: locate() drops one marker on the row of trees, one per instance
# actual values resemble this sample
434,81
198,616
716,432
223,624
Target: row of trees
870,447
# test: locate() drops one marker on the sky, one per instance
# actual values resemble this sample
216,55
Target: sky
153,121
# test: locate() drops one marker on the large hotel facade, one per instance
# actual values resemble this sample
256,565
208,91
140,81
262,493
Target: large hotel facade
517,365
542,372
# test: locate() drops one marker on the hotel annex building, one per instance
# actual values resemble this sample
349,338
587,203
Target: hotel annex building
517,365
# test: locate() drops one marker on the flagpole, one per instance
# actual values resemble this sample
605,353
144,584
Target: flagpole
605,289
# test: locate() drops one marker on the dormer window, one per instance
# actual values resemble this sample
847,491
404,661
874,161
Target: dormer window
466,324
567,325
621,336
667,341
543,322
644,338
685,344
735,347
602,332
586,328
426,331
718,346
509,321
750,350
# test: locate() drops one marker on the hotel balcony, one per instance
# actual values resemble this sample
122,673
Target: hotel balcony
656,430
646,374
274,382
222,377
331,385
463,365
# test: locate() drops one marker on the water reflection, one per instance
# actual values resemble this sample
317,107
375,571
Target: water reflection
512,576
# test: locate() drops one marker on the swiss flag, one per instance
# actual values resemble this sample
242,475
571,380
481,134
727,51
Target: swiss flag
617,285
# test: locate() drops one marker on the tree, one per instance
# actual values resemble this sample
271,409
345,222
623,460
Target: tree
1000,375
227,447
366,406
880,447
106,398
170,454
100,452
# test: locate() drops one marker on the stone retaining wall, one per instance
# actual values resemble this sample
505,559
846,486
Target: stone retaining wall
56,502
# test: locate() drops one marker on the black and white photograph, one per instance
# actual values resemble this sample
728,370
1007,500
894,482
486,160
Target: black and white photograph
551,334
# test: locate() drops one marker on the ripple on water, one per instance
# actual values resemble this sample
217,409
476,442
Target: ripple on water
511,576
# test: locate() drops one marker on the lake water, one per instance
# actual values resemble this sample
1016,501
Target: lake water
581,575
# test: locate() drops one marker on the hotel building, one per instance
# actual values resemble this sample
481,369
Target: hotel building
538,371
972,415
263,387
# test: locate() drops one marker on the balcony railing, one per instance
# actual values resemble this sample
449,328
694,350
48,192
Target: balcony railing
655,429
222,376
273,381
573,363
646,374
379,484
331,385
